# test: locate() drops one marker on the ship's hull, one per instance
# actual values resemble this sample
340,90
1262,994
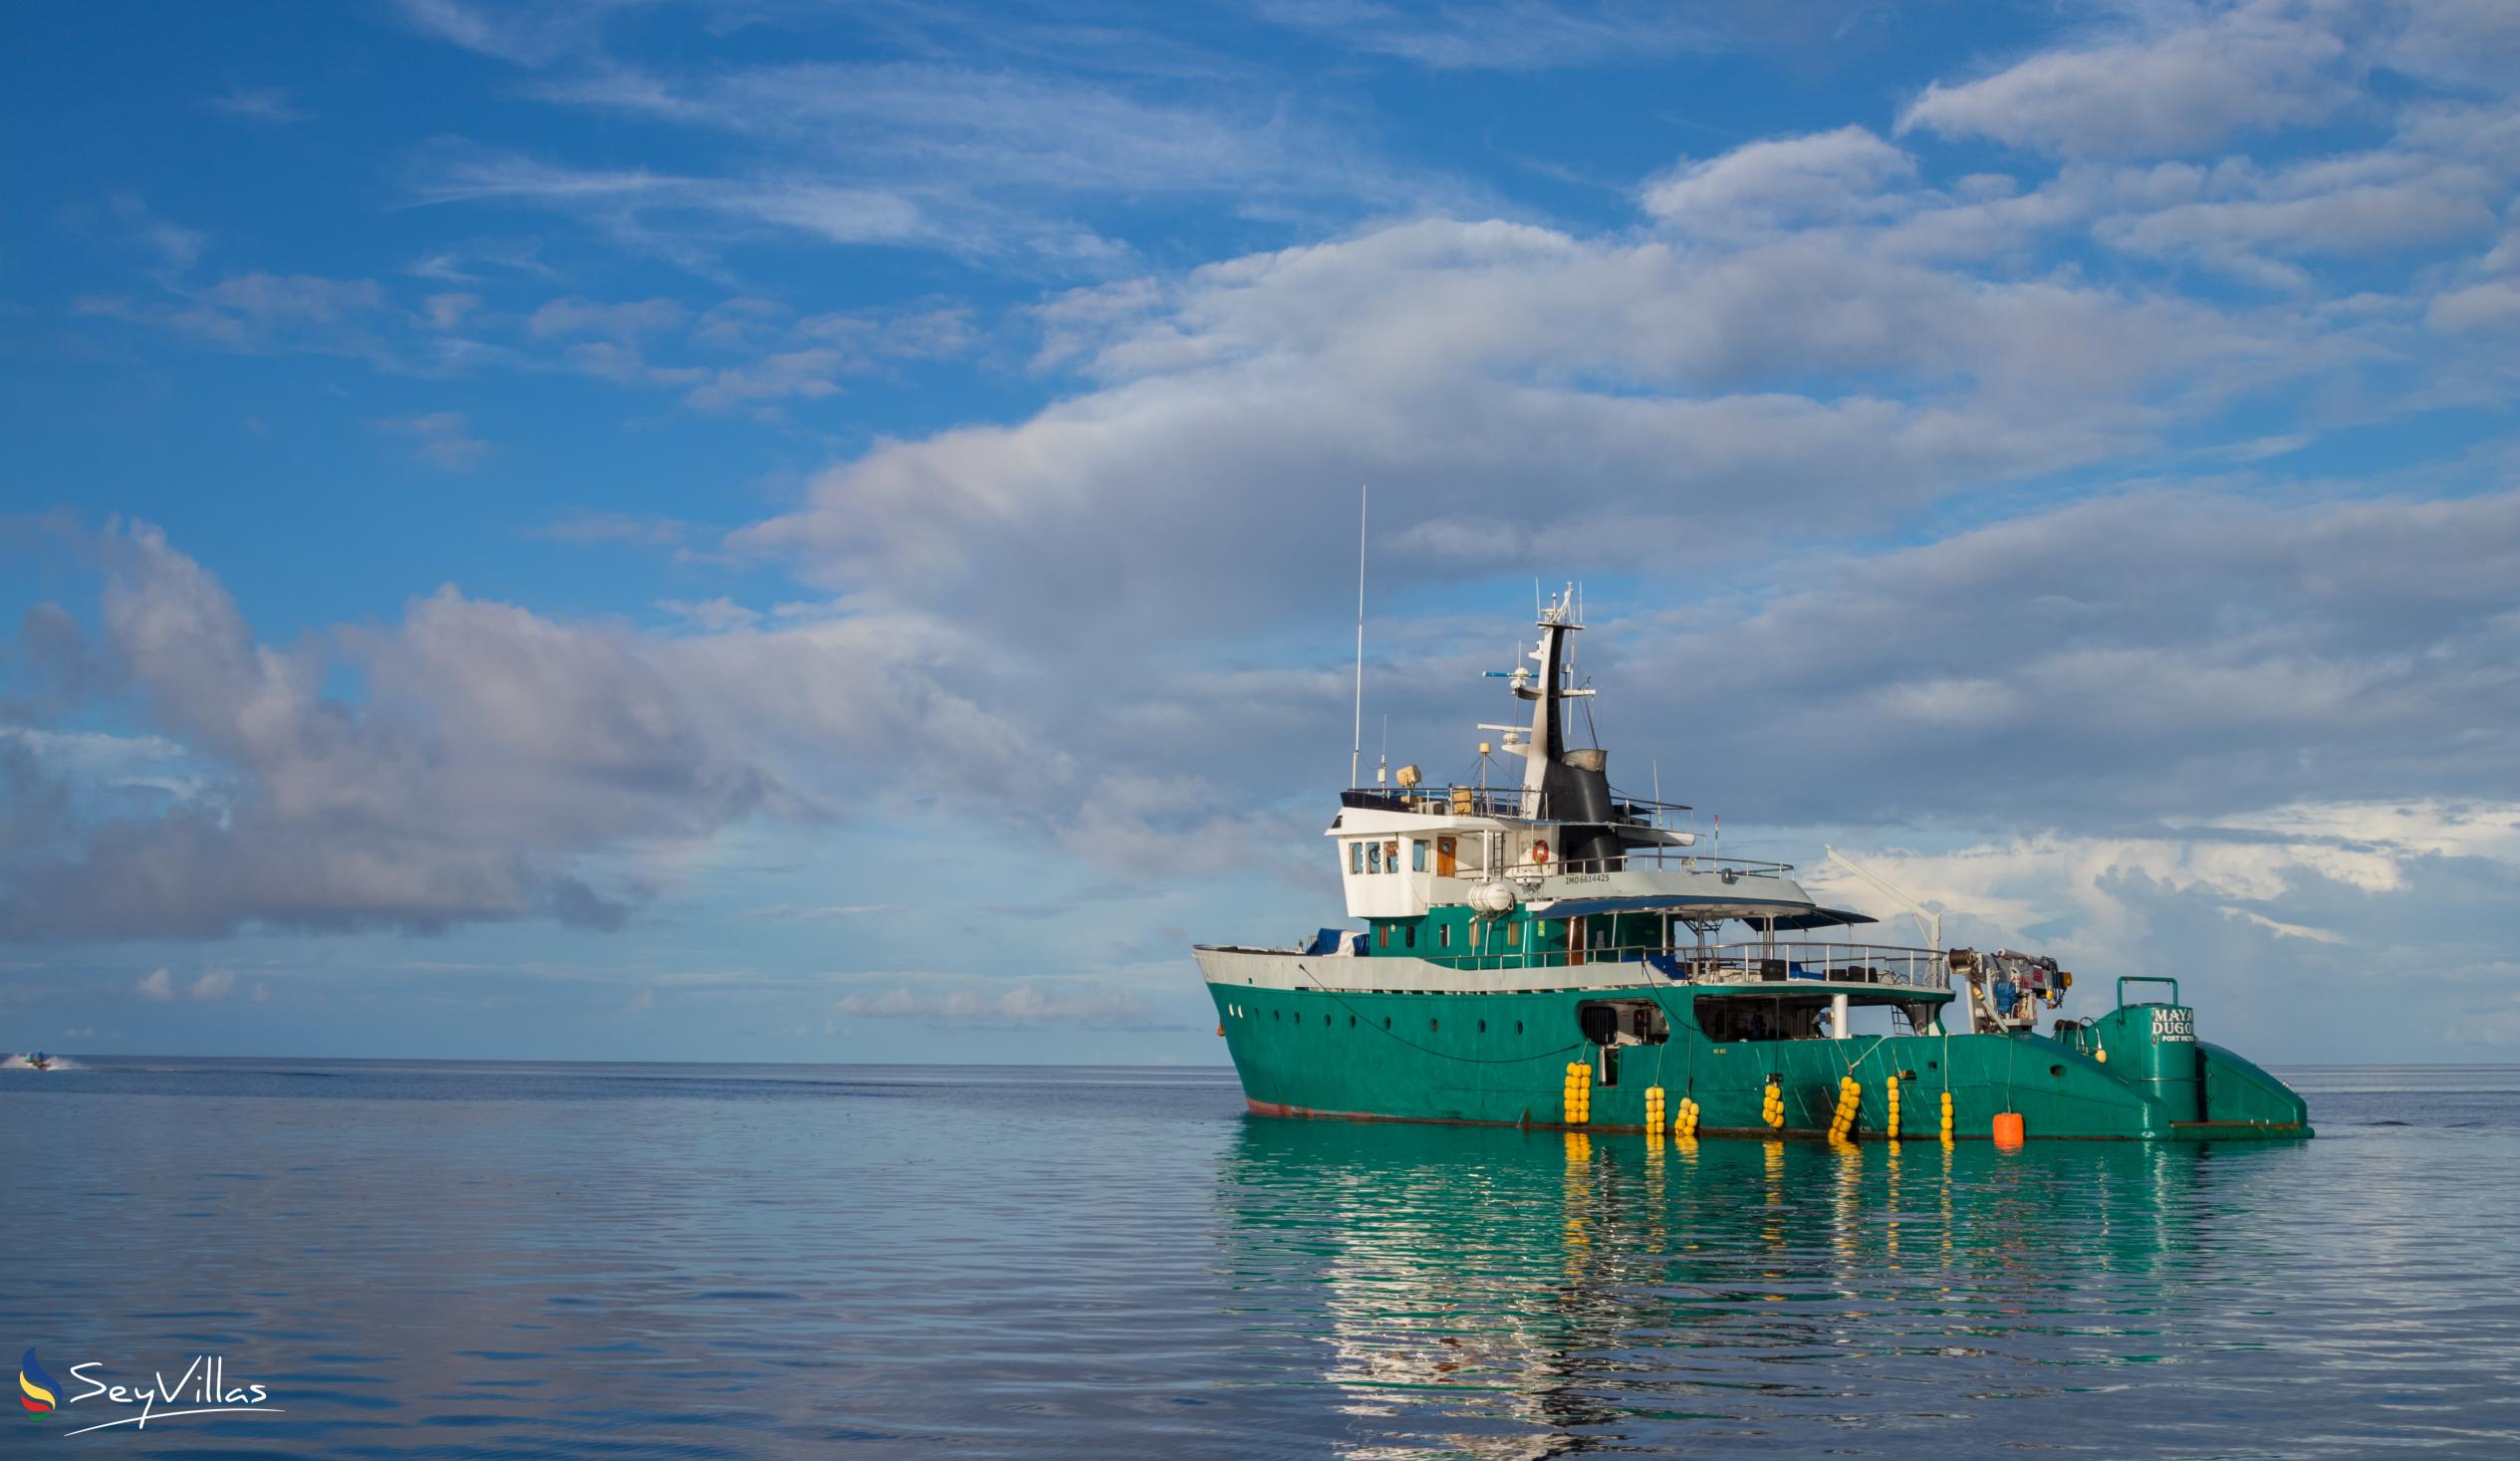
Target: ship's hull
1501,1057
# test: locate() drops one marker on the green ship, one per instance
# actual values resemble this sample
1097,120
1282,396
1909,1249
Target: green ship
1554,953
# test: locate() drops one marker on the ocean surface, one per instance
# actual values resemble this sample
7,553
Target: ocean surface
452,1260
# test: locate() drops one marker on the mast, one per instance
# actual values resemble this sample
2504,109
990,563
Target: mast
1547,739
1356,754
1569,786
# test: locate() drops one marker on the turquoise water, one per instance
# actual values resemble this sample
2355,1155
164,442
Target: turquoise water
450,1260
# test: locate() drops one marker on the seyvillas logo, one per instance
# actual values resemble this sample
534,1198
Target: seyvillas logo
203,1388
36,1389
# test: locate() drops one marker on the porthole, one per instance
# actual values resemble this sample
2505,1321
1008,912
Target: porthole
1482,1027
1386,1022
1351,1022
2056,1070
1435,1025
1277,1014
1518,1026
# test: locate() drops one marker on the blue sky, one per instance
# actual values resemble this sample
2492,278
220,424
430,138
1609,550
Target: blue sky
758,529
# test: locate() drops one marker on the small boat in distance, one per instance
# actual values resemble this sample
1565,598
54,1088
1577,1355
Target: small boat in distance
1554,953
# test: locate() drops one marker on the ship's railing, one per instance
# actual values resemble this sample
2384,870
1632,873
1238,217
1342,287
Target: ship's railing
1638,859
1429,801
1493,801
1507,803
1779,962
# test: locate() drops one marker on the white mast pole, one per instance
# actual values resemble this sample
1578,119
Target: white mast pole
1356,754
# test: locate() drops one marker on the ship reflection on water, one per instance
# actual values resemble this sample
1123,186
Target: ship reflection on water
1500,1293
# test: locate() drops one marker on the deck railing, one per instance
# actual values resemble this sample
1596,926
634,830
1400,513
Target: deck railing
1777,962
1507,803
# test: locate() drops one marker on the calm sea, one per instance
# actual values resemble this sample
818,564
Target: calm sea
448,1260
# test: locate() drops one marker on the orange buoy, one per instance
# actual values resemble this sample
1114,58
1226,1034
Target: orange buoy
2008,1131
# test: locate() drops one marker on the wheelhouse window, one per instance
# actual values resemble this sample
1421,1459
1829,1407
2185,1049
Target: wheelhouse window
1391,856
1416,855
1356,857
1373,856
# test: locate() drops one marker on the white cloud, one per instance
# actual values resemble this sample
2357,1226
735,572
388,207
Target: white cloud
2491,306
523,32
1664,396
448,310
2165,654
258,314
1788,182
1528,35
177,248
996,127
993,162
2268,922
683,218
2474,43
798,374
213,985
495,750
442,438
2282,929
624,321
2205,72
2437,184
260,103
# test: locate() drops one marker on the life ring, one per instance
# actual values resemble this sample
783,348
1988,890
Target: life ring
1540,853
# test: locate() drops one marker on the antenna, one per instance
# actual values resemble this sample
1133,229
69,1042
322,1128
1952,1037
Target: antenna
1356,753
1382,763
